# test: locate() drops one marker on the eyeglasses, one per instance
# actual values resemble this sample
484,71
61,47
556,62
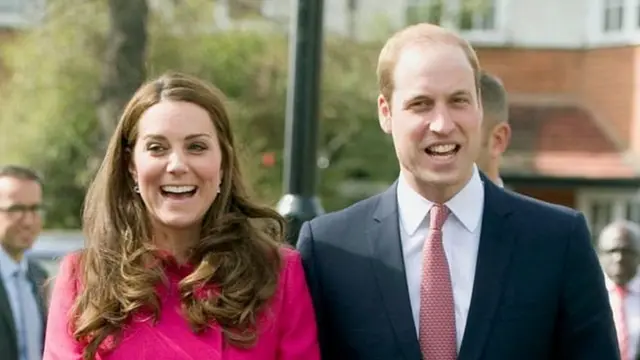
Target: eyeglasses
20,210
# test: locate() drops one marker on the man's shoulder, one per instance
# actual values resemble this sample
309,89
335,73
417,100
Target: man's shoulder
542,213
351,215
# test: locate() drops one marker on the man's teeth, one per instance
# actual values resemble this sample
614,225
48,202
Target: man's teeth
443,148
178,189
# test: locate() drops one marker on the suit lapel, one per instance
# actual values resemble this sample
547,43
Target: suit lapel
37,281
7,312
494,255
388,267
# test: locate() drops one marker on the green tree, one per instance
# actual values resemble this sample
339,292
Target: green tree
123,69
50,117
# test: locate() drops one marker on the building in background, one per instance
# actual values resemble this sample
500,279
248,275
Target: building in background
572,69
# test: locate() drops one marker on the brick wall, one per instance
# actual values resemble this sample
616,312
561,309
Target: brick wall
600,80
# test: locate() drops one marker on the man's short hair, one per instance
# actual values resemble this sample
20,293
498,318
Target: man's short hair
494,99
629,230
423,34
20,172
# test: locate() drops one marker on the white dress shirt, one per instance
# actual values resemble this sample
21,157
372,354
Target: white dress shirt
461,238
631,309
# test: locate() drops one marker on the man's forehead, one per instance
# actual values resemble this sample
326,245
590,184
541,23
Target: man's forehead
439,68
12,187
615,238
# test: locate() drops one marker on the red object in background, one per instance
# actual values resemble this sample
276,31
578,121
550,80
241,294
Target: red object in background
268,159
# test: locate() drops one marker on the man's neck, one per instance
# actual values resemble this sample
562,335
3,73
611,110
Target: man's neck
438,194
494,175
16,255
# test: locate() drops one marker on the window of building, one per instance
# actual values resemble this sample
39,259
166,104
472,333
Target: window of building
603,207
244,9
20,13
613,15
479,21
254,15
613,22
429,11
481,16
12,6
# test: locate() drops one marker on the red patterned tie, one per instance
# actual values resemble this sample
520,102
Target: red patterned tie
437,317
621,324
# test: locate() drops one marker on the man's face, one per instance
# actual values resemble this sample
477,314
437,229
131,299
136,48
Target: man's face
434,116
618,255
20,213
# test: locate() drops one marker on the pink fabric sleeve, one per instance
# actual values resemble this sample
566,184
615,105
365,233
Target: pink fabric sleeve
59,342
298,332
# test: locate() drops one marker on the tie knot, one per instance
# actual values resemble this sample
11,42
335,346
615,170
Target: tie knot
437,216
17,273
621,290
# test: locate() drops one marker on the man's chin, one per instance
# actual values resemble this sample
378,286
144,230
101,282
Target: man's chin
443,177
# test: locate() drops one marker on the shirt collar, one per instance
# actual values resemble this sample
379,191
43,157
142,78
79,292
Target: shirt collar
466,205
632,287
8,266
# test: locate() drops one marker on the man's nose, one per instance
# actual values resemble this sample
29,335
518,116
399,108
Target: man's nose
30,217
616,256
442,122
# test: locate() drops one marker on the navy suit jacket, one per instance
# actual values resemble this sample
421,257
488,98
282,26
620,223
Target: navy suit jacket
538,292
8,336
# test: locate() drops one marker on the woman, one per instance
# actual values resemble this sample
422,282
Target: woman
179,263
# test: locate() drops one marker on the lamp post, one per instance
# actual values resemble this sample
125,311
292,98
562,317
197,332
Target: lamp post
299,202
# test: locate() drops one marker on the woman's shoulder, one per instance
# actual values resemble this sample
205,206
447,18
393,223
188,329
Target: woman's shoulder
289,257
292,271
69,269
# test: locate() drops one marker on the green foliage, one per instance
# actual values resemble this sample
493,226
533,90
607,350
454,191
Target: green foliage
49,117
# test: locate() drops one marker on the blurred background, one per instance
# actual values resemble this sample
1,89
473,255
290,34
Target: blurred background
572,70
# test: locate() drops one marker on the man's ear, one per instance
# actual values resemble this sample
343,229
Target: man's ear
384,114
500,139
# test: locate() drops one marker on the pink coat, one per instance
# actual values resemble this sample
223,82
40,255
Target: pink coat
287,332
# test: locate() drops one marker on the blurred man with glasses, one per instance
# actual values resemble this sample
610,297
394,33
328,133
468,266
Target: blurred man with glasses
22,294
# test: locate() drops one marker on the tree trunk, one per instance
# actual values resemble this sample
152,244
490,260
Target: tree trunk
124,62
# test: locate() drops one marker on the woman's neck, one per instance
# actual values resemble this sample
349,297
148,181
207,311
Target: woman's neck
177,242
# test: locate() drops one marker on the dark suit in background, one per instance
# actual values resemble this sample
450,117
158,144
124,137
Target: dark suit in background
538,292
8,337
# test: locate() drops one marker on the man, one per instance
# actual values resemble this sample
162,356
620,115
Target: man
514,278
22,294
496,131
619,247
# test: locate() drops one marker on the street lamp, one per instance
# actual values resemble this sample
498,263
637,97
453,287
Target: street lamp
299,202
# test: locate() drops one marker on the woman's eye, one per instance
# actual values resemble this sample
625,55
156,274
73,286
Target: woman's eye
197,147
154,148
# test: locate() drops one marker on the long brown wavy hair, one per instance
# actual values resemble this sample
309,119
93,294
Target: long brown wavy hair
238,252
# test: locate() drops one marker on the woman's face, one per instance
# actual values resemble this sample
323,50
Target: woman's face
176,163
